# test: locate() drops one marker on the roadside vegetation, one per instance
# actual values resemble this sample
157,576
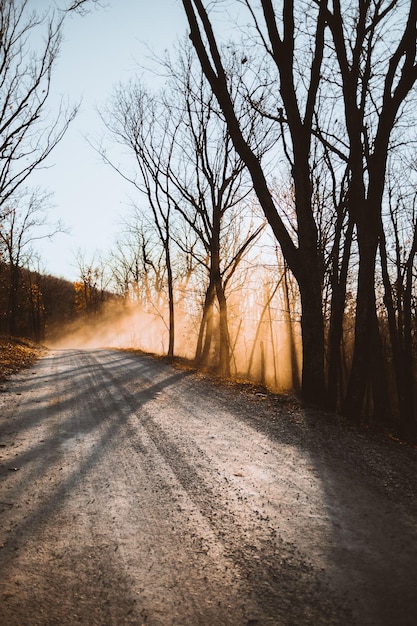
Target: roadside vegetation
16,354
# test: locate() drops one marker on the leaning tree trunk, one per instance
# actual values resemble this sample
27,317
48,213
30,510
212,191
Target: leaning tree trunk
303,260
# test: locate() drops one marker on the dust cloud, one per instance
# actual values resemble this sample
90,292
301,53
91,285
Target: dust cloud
116,326
264,341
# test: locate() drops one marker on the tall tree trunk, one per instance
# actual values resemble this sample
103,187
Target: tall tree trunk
395,332
367,370
312,332
295,376
409,419
224,348
337,309
171,332
206,326
14,285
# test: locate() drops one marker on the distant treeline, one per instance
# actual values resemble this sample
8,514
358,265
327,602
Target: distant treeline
39,306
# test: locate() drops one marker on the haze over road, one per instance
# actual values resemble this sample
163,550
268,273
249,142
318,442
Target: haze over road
135,493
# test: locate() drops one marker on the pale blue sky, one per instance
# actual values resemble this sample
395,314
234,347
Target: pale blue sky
99,50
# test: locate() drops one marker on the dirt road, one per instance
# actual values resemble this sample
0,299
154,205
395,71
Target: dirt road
135,493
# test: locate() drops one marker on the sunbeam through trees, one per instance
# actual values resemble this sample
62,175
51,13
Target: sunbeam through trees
272,234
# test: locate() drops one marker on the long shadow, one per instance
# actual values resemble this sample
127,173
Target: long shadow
260,571
378,578
371,542
66,398
41,461
107,586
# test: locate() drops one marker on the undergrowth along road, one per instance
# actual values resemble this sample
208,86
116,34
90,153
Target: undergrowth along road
17,353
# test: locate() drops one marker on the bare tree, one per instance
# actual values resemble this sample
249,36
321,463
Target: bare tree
294,115
186,165
374,43
210,186
29,46
344,75
137,263
91,291
25,221
28,134
135,119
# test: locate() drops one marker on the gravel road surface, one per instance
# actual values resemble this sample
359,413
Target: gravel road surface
132,492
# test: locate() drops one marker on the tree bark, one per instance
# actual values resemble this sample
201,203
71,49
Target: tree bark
337,309
409,418
312,332
224,338
170,279
205,333
368,371
14,285
290,331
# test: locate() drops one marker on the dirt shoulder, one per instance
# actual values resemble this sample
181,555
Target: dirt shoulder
17,353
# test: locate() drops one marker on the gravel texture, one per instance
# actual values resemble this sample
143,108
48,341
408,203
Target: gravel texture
132,492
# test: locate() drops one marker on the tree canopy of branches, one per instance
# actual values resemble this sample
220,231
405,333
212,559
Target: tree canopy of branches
189,172
336,78
303,259
25,222
27,134
30,42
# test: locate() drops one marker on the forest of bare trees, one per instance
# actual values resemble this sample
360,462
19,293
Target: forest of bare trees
274,233
28,135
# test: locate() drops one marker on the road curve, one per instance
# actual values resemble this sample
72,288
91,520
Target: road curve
135,493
